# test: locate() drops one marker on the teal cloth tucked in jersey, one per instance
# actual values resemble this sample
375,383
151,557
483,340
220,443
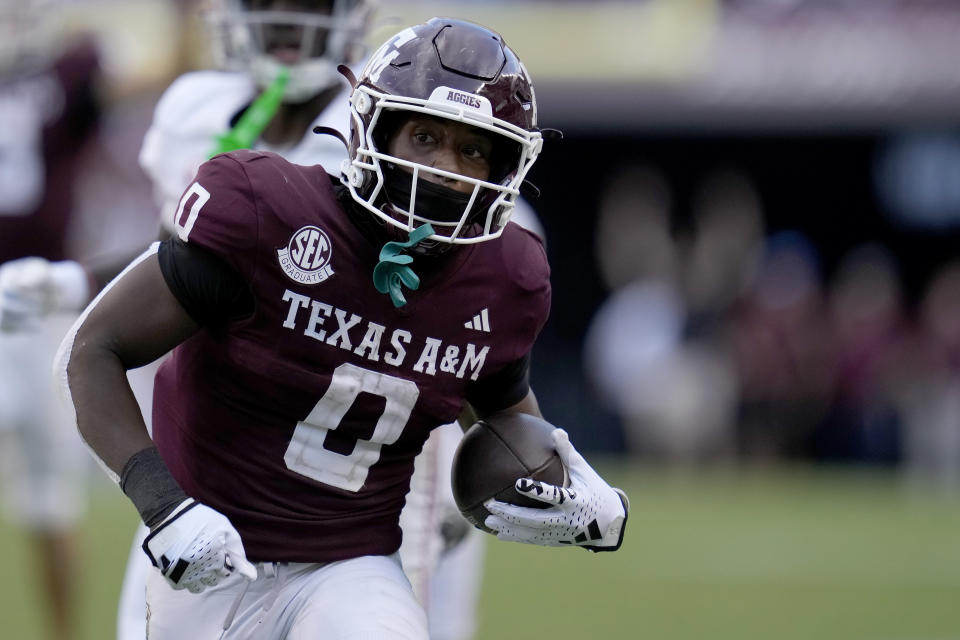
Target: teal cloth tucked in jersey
392,270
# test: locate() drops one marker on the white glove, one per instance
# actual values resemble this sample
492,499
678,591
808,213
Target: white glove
195,547
31,288
589,513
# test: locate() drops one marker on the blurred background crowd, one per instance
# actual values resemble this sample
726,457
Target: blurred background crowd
754,251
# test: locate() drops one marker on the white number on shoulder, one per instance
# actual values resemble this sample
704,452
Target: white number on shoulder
196,196
306,453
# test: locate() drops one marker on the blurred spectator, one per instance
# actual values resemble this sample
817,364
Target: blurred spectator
633,229
727,226
674,396
929,395
868,332
781,350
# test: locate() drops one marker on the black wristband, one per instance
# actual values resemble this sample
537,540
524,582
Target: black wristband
150,486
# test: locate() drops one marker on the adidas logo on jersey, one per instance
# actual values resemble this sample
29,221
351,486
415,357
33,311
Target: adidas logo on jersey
480,322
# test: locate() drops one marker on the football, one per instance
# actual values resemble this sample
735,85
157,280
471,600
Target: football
493,454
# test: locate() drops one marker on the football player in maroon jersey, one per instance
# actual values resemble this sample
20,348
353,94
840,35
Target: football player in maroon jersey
320,330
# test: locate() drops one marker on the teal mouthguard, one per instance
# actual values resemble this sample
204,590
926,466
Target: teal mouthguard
392,270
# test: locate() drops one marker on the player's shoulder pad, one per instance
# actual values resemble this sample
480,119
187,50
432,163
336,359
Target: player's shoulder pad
193,92
258,164
219,212
524,257
237,171
266,179
245,156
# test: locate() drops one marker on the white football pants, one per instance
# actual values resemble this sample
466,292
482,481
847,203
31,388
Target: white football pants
366,598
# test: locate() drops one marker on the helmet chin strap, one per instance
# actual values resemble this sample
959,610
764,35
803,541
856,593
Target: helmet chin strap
256,117
392,270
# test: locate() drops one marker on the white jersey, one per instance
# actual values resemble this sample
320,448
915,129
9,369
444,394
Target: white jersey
200,106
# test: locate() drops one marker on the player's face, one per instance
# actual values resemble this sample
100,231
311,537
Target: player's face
444,144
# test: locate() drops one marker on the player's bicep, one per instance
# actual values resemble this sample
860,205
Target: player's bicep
208,289
138,318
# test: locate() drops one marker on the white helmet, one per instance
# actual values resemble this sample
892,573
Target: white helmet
309,38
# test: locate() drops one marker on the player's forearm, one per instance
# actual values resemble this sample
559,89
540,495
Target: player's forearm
111,424
108,416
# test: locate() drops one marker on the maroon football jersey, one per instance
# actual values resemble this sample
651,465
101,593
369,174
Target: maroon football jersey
47,117
301,422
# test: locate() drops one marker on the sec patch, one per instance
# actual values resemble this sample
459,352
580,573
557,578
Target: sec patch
306,258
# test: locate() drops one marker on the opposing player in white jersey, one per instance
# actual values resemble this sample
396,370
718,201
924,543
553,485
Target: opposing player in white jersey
278,82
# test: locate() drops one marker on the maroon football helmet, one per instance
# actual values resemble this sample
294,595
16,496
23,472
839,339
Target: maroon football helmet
449,69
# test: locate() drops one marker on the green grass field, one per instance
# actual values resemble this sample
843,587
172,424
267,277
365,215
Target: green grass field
798,554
